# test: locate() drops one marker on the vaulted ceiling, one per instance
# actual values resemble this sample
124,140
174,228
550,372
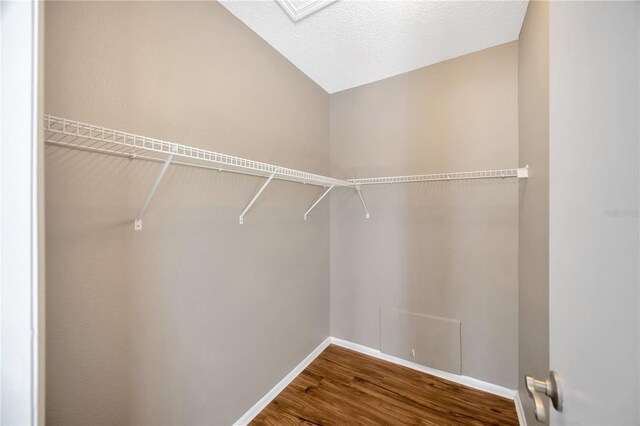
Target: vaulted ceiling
345,43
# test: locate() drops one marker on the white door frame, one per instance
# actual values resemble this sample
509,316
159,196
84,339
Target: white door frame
21,214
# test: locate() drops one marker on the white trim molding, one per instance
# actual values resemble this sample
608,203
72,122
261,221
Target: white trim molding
522,419
298,10
265,400
22,358
462,380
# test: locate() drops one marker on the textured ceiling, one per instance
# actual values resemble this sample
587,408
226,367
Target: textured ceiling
350,43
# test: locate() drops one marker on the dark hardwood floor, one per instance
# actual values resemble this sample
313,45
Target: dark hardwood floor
342,387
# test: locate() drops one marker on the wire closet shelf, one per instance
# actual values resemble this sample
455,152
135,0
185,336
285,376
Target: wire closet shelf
485,174
77,135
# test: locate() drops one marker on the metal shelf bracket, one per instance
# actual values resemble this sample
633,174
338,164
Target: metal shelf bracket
255,197
137,224
317,201
366,215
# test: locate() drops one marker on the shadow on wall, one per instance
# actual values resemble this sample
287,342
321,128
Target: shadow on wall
444,249
136,319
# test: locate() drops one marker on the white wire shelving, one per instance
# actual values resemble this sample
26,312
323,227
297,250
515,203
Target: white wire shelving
77,135
74,134
486,174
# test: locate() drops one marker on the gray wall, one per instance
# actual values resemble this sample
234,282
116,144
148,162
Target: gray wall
193,319
533,235
447,249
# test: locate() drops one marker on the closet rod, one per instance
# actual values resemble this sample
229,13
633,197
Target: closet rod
486,174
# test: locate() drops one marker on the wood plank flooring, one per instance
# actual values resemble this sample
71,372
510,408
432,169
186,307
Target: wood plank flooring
343,387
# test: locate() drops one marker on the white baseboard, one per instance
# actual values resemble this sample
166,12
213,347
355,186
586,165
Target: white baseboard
265,400
522,419
463,380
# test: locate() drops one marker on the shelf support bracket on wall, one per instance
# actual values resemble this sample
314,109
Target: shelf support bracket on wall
255,197
523,172
366,215
317,201
138,221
